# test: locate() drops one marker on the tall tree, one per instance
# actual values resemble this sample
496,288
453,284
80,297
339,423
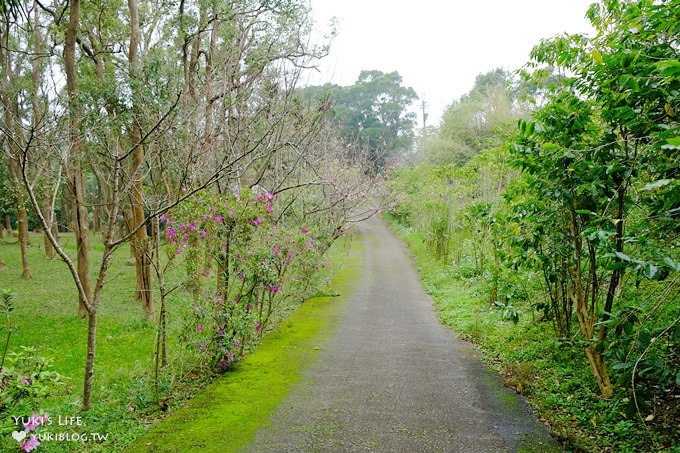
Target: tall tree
154,147
140,244
470,122
608,128
12,126
372,114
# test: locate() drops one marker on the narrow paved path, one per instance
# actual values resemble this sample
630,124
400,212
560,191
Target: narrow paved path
393,379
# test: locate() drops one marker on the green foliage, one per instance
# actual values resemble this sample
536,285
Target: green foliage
371,115
126,391
24,379
264,269
6,307
550,373
470,123
603,184
582,234
250,395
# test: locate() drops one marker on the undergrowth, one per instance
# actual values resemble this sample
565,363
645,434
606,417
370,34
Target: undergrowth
552,374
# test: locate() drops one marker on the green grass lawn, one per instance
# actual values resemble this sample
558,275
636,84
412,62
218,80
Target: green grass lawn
45,318
45,314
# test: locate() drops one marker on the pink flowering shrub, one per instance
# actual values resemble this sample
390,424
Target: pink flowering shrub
261,266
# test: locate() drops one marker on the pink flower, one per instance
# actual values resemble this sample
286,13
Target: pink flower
204,217
163,218
274,289
249,307
30,444
218,219
224,363
304,230
200,327
260,197
192,227
220,332
270,196
203,233
241,276
33,422
258,327
25,381
171,232
258,221
277,251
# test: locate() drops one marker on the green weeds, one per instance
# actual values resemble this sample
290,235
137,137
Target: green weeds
553,374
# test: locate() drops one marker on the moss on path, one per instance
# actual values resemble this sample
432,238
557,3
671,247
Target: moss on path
225,416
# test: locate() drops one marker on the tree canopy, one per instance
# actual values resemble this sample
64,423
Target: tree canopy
372,115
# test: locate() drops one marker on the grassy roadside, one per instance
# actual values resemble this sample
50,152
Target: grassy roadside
44,319
226,415
554,377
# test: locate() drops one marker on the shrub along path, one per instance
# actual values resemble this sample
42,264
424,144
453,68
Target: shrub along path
388,378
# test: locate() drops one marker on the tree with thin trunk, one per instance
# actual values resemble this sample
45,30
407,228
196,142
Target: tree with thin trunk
152,144
15,136
140,244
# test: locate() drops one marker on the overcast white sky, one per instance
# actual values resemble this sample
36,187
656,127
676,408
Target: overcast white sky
439,47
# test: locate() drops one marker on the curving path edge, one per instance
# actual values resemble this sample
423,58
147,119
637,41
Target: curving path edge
394,379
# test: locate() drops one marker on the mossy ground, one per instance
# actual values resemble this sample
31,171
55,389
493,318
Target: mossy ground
227,414
44,318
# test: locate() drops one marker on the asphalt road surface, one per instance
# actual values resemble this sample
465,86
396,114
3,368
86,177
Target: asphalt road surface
393,379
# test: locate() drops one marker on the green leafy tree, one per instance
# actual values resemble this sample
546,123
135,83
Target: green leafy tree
470,122
372,115
605,133
147,129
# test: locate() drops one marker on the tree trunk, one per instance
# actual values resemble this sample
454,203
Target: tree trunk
139,240
617,273
22,219
37,119
77,178
600,371
163,323
91,353
48,212
587,318
2,264
8,224
22,227
11,112
103,207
